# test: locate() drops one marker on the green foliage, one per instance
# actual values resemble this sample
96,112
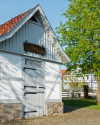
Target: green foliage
63,89
81,35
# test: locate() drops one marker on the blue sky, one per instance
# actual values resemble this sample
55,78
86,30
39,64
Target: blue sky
52,8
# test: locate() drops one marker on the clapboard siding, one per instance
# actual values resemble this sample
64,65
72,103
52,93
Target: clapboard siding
33,34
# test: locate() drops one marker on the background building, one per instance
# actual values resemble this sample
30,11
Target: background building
89,79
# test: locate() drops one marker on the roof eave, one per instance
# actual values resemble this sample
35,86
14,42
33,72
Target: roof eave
19,24
56,43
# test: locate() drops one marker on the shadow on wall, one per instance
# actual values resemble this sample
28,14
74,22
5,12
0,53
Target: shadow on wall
11,75
12,66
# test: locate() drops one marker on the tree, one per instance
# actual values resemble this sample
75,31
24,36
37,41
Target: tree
81,36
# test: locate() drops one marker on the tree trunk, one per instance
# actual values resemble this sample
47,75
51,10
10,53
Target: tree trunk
85,91
98,91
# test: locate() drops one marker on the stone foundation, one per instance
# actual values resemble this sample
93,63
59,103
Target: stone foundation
10,111
53,108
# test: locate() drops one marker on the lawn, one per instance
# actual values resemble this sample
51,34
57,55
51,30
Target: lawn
81,103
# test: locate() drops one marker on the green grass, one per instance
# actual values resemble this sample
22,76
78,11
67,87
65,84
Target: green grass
81,103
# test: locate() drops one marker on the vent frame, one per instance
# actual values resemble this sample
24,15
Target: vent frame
33,63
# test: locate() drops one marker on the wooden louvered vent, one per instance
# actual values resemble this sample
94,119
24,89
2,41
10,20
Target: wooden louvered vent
33,63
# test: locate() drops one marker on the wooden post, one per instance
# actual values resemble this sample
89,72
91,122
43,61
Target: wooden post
85,91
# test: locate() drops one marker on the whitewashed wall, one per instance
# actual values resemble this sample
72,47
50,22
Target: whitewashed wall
33,33
53,82
10,76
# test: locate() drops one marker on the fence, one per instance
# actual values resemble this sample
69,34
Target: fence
68,94
65,94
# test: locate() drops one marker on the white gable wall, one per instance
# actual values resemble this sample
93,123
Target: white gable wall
33,34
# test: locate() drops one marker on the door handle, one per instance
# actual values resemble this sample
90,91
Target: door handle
42,87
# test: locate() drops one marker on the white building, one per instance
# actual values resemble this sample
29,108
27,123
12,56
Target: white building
88,78
30,66
92,82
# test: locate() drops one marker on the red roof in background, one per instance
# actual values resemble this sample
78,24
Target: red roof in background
7,26
62,72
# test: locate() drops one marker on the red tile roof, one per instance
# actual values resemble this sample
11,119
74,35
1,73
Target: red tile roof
7,26
62,72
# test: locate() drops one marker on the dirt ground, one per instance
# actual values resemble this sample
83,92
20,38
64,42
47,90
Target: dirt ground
72,116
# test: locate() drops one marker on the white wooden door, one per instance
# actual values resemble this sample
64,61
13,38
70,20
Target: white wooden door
33,92
34,105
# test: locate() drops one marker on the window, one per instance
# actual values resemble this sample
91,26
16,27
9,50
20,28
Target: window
33,19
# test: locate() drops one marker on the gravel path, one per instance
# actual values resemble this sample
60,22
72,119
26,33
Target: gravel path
73,116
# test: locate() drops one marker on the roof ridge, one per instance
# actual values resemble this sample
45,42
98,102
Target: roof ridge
7,26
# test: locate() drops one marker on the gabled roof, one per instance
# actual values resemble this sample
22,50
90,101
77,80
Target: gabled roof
11,27
7,26
62,72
